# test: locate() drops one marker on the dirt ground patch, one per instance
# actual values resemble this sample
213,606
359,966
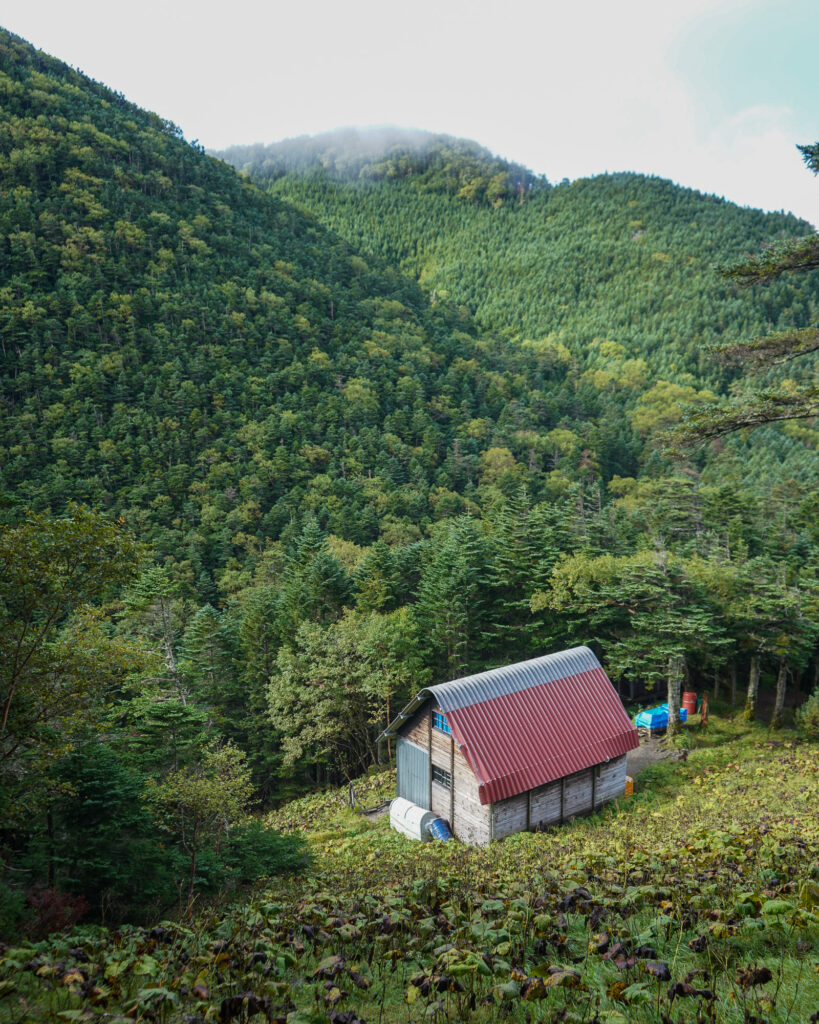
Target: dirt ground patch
651,750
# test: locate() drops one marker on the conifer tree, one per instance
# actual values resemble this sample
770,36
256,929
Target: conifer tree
525,550
316,587
451,596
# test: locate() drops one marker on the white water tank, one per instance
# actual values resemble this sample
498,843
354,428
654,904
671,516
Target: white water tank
409,819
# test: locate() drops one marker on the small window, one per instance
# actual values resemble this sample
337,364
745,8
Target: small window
442,777
439,722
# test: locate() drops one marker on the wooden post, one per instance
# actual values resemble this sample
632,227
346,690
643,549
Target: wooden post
429,757
452,782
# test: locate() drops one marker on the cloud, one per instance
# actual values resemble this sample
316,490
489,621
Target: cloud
570,90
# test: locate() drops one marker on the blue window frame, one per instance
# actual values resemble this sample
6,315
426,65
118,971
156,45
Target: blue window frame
439,722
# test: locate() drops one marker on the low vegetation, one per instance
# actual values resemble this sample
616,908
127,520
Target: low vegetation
694,900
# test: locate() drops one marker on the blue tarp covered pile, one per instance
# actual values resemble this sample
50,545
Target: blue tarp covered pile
657,718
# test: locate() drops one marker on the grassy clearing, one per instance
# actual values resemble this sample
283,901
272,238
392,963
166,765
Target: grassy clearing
697,899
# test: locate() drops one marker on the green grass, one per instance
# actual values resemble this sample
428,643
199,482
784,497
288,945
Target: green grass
708,879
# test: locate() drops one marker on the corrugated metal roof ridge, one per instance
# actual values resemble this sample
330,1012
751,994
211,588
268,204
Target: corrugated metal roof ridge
474,689
546,668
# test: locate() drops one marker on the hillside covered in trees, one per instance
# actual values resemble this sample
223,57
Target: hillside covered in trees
270,462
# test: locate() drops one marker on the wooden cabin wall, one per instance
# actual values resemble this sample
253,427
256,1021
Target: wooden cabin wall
611,782
578,794
471,818
416,728
509,816
546,804
542,806
461,805
440,749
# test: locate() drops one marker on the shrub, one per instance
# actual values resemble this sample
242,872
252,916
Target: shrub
52,910
807,716
255,852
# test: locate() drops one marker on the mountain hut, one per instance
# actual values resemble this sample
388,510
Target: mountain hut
515,748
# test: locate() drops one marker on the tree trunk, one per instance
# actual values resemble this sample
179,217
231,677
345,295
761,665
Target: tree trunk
753,688
733,684
676,673
781,684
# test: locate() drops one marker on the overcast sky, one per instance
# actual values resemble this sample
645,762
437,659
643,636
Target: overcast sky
711,93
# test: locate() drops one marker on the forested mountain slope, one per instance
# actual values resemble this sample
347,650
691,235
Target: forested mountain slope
202,358
617,269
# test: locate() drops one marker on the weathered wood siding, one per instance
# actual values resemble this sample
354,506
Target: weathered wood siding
578,798
417,727
611,782
546,804
509,816
440,801
542,806
471,818
440,750
460,805
441,744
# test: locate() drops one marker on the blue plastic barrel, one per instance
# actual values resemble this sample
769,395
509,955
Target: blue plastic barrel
439,829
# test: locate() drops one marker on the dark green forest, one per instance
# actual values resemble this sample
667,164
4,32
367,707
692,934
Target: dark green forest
278,447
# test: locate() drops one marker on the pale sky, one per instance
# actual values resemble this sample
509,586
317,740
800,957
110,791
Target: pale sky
713,94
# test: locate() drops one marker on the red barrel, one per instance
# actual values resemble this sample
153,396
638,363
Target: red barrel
689,702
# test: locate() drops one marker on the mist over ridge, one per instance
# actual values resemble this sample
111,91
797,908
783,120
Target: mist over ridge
378,152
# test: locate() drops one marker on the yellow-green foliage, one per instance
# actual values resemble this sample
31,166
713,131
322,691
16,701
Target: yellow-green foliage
696,898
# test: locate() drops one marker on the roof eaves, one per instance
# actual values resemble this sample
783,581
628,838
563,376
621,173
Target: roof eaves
420,698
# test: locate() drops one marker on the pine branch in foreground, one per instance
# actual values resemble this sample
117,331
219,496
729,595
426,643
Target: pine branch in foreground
771,405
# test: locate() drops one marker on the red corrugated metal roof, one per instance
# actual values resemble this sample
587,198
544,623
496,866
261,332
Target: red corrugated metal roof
524,725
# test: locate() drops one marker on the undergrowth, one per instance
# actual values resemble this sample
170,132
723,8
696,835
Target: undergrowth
695,900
